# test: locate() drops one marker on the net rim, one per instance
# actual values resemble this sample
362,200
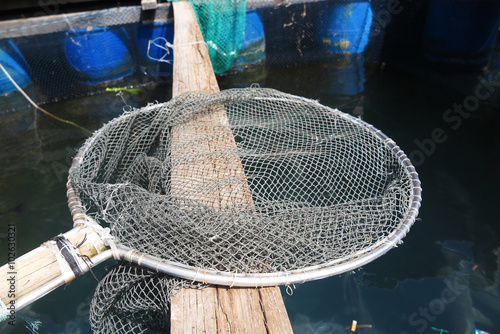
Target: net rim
334,267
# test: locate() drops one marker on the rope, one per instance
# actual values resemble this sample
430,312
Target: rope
104,233
167,46
36,105
72,255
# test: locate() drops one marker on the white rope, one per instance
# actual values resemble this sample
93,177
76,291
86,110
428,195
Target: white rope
166,46
104,233
391,243
195,275
234,279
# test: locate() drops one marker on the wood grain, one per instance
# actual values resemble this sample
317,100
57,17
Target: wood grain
216,182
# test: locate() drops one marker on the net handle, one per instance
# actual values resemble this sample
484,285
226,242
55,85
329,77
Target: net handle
56,262
74,204
57,282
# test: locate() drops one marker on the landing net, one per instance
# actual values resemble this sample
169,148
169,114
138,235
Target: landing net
246,187
323,188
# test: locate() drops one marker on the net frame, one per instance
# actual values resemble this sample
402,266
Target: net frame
314,272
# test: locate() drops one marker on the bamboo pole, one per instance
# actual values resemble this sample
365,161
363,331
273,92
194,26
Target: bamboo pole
40,270
213,309
44,269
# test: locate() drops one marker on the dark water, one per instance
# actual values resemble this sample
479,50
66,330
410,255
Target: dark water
446,275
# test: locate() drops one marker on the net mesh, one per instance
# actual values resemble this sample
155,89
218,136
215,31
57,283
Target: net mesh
57,57
131,299
222,24
245,180
321,187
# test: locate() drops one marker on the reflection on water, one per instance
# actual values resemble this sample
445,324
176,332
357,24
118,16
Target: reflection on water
444,277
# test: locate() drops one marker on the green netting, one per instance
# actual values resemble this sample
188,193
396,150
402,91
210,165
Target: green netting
222,24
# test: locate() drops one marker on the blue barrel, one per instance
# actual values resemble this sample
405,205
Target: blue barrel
346,75
153,42
253,45
344,27
15,64
98,55
461,32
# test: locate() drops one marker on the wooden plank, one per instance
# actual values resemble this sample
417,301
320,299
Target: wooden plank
214,309
46,24
241,308
192,68
229,310
274,310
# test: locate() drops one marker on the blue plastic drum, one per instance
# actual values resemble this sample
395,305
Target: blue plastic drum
345,27
253,45
98,55
15,64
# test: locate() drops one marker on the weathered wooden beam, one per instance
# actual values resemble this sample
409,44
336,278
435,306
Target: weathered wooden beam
193,71
192,67
213,309
47,24
229,310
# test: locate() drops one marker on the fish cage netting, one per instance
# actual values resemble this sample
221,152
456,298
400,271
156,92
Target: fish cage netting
282,185
57,57
222,24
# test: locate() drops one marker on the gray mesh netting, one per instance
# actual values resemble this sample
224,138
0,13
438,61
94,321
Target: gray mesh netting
131,299
323,187
282,185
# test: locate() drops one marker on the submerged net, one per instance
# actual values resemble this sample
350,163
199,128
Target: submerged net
250,181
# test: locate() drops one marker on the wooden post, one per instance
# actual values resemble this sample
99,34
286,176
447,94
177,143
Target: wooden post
213,309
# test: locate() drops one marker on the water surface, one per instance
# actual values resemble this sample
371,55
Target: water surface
446,274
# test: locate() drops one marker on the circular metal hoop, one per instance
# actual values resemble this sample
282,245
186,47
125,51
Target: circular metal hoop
314,272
